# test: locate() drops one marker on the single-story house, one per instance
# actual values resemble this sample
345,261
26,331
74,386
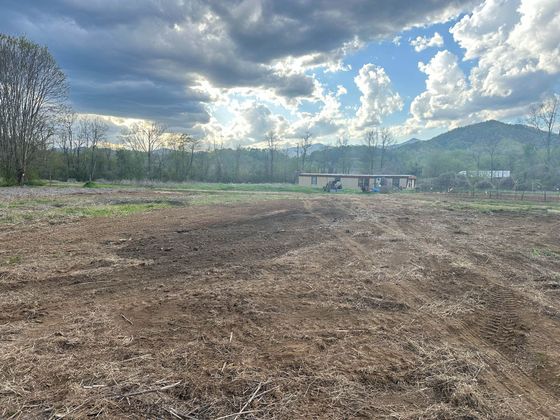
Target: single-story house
358,181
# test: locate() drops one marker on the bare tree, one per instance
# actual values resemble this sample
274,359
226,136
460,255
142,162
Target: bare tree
32,90
285,155
194,144
342,149
370,141
218,159
492,148
238,153
146,138
544,117
305,145
183,144
65,137
92,131
386,140
271,141
476,153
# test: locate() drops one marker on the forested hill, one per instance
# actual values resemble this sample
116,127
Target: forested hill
479,136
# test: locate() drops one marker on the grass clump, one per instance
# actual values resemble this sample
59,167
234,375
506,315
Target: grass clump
112,210
67,209
496,206
545,252
12,260
233,187
90,184
35,183
221,198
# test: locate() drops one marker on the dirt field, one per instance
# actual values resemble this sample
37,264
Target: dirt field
321,306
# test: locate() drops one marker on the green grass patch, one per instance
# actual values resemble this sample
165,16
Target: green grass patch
245,187
545,252
497,206
193,186
29,183
112,210
60,210
229,187
67,208
36,183
207,187
36,202
222,198
13,260
90,184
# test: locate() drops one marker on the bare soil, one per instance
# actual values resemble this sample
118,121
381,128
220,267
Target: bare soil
314,307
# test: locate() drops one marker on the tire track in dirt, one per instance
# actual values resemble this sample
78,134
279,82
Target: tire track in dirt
506,377
502,373
495,334
499,331
492,335
502,324
499,334
355,248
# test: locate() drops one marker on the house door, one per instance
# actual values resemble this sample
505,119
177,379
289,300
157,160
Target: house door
363,184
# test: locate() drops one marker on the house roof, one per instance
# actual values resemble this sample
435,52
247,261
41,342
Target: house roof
358,175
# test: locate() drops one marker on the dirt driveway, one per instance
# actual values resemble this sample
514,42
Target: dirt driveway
316,307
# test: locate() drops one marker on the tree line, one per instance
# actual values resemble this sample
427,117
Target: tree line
42,137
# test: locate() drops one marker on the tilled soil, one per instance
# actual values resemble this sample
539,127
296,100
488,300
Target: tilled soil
317,307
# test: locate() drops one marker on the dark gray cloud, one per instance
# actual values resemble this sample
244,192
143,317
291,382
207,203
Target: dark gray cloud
268,29
145,58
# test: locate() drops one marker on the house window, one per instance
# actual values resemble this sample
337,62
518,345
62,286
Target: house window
313,180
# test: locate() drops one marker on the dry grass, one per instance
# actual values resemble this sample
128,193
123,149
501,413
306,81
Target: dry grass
278,310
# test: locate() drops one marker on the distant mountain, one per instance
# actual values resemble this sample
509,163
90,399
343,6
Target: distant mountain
292,151
408,142
465,138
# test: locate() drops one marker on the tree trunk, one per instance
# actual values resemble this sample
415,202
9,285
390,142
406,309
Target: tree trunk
20,176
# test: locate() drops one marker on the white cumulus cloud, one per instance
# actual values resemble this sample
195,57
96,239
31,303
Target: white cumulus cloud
421,43
378,98
446,87
515,48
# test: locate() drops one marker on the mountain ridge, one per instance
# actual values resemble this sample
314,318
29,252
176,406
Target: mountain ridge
479,134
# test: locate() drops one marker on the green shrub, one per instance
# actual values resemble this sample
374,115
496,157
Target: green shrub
91,184
35,182
507,183
484,185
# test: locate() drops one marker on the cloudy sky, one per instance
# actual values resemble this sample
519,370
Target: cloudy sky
232,70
